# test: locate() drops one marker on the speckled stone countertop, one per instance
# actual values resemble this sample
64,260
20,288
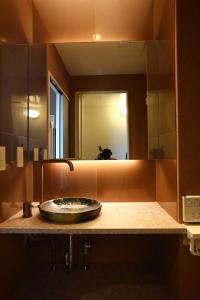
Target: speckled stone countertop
115,218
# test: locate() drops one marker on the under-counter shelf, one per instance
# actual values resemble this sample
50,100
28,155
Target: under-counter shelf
115,218
193,231
193,238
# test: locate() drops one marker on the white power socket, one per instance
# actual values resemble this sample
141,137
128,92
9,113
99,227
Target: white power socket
44,153
191,208
20,157
35,154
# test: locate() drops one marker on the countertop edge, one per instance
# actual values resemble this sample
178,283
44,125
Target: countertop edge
95,231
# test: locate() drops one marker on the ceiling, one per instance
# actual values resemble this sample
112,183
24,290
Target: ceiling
79,20
103,58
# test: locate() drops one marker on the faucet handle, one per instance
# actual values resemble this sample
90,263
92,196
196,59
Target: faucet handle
27,209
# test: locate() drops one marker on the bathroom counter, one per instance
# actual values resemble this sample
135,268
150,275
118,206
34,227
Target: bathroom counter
115,218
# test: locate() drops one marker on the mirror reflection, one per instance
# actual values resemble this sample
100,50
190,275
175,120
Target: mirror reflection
103,109
102,125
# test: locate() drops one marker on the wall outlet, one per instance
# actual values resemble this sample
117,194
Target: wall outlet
20,157
35,154
2,158
191,208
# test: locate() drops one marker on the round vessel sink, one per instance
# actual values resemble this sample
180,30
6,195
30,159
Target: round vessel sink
70,210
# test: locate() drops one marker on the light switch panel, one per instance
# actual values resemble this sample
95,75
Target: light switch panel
2,158
35,154
44,153
20,157
191,208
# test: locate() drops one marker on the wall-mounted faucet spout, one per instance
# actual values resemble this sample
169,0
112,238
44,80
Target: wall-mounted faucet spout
49,161
27,206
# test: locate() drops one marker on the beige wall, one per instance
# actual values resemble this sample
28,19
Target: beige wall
103,125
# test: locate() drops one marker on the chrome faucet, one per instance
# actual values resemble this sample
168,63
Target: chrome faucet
48,161
27,205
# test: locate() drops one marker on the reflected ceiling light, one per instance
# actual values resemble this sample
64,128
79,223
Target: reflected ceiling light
96,37
33,113
34,99
123,109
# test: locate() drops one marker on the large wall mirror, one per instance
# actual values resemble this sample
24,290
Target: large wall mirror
87,80
106,108
143,71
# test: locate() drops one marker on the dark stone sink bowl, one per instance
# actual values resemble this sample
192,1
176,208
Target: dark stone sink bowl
70,210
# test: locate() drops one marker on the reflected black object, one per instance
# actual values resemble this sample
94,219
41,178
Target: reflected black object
104,154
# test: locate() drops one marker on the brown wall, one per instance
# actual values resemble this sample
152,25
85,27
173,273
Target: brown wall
161,82
135,85
188,107
13,97
37,99
22,73
13,124
15,183
56,67
16,186
188,66
102,180
16,21
166,186
162,94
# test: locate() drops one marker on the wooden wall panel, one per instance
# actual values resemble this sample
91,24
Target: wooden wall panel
132,180
162,104
16,186
188,66
56,67
37,90
13,97
166,186
161,82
